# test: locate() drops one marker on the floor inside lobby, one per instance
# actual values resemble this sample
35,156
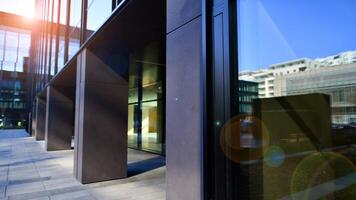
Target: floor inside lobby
27,171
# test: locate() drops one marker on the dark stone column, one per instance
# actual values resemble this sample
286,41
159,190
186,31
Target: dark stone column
40,118
59,120
101,113
33,120
184,101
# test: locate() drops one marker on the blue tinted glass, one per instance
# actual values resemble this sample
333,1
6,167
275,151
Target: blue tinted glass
297,98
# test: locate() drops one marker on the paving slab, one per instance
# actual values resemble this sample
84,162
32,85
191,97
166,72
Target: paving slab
28,172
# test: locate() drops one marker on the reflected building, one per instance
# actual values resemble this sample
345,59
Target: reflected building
266,77
314,128
248,90
337,81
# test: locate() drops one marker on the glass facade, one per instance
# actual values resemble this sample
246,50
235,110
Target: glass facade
297,140
14,46
337,82
60,33
248,91
145,124
14,51
73,23
13,98
97,13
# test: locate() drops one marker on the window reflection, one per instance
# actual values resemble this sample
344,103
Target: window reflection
98,12
295,136
61,56
75,27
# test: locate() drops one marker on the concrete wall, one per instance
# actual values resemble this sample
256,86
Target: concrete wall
184,114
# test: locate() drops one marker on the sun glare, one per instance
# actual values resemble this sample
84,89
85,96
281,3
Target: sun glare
19,7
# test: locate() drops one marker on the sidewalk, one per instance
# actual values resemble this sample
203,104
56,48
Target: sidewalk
27,171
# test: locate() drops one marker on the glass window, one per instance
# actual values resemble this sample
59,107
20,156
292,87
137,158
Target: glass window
75,13
53,56
48,53
152,82
146,107
63,13
134,82
61,48
133,125
25,41
75,27
2,38
152,126
298,140
11,46
74,45
98,11
61,53
54,33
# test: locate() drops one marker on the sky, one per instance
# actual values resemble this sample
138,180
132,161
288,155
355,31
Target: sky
273,31
270,31
19,7
98,11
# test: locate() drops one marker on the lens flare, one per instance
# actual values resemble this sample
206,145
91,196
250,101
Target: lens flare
274,156
230,138
319,168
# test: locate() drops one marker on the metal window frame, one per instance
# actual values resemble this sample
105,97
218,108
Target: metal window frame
83,29
219,178
67,31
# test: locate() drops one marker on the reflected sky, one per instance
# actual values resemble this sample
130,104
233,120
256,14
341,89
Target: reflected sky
286,30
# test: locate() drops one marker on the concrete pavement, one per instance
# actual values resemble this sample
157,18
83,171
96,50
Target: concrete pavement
29,172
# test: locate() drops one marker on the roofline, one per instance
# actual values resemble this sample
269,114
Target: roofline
287,62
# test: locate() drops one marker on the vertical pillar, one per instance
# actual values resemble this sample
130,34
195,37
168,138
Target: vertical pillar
40,118
101,113
59,120
184,100
33,119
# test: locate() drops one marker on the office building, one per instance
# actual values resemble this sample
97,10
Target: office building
119,74
160,76
266,77
248,91
15,41
13,102
336,81
342,58
265,80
